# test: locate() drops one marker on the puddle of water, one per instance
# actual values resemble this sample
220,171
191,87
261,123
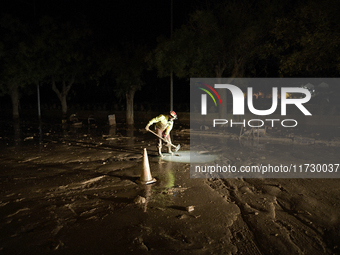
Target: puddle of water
189,157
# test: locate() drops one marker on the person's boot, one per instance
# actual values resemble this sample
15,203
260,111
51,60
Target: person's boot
169,150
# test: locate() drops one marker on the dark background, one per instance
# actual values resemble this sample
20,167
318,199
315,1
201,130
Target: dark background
113,22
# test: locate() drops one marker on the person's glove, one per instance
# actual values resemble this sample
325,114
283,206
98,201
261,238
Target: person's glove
147,128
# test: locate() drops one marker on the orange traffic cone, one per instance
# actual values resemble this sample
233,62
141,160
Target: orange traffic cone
145,177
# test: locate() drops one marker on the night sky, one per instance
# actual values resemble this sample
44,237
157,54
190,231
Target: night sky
138,21
114,23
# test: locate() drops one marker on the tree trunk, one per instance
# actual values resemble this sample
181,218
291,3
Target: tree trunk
64,105
15,101
129,106
62,95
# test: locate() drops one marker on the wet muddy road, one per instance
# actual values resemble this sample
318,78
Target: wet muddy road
74,191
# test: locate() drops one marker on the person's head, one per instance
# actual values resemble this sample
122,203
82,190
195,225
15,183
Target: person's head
172,115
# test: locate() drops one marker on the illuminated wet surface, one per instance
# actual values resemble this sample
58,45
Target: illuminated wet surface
189,157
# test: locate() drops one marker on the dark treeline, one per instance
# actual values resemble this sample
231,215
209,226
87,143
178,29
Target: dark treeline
76,57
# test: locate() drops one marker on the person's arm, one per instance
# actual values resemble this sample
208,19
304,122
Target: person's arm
154,120
169,128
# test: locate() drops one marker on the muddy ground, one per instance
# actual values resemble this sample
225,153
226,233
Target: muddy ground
73,190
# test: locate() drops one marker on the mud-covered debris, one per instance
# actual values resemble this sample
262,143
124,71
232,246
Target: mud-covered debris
203,152
175,190
18,211
56,245
139,200
195,216
304,140
159,208
111,138
29,159
256,131
77,124
140,243
190,208
73,118
182,216
93,180
91,120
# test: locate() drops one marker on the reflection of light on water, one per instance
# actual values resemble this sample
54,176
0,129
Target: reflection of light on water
170,180
165,190
189,157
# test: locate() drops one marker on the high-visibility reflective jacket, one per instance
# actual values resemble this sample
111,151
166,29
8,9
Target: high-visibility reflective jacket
163,123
